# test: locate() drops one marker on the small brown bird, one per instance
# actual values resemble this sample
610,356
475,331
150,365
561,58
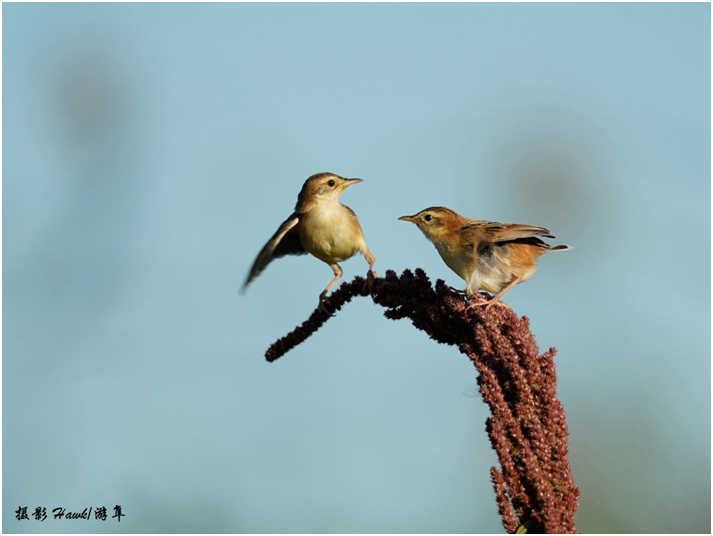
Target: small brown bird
488,255
320,225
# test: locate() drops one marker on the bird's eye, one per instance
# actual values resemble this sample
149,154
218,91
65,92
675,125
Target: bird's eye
428,217
331,182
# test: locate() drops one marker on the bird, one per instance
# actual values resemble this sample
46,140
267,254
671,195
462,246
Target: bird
488,255
321,226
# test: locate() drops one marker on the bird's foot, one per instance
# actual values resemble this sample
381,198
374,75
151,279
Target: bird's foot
487,303
322,307
369,283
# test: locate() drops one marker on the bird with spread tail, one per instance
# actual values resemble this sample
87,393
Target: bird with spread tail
321,226
488,255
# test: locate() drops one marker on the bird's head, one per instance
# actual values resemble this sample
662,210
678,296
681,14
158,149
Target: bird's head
322,188
437,223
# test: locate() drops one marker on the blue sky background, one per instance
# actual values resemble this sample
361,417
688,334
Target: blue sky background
149,152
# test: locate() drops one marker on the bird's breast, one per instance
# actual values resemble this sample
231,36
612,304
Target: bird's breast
457,259
332,234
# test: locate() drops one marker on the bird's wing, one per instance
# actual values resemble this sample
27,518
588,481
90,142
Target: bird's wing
285,241
507,232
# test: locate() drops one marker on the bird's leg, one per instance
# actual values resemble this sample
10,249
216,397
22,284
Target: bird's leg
337,274
371,274
495,300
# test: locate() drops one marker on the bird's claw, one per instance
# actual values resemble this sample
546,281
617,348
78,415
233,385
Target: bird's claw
488,303
322,307
369,283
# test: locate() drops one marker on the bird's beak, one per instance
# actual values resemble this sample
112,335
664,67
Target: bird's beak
407,218
349,182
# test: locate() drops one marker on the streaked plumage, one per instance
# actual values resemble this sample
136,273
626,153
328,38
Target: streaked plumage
488,255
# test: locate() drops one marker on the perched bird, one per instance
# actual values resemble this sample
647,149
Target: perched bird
488,255
320,225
